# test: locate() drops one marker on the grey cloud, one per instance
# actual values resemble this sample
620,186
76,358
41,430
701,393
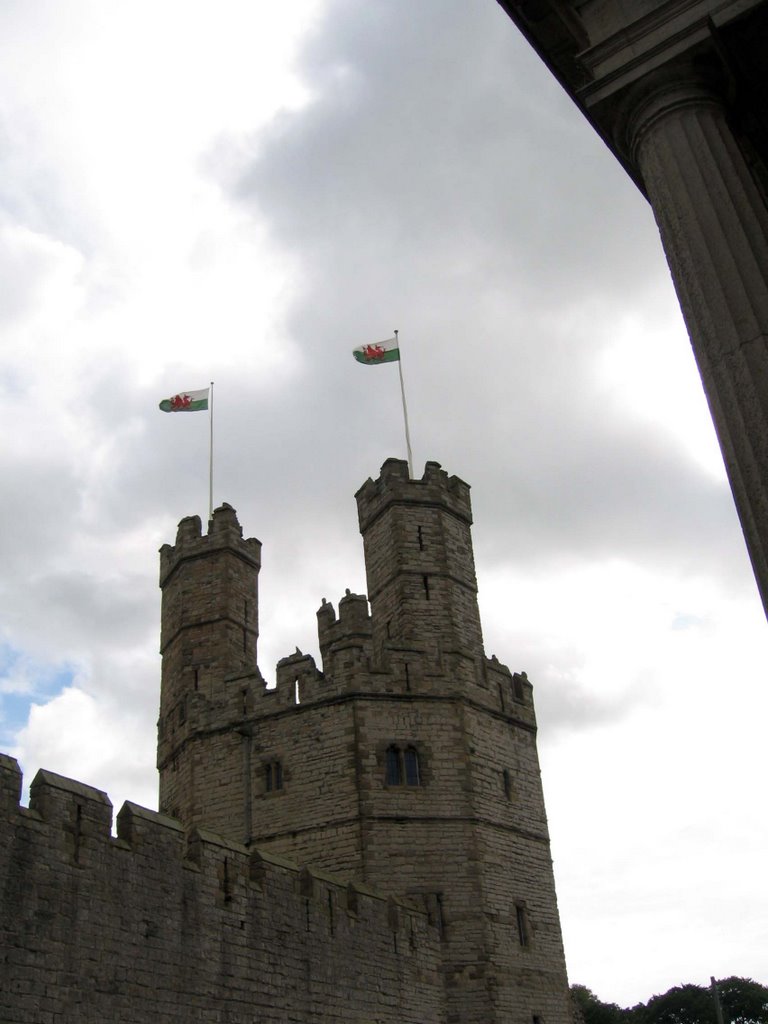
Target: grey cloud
375,173
487,274
566,706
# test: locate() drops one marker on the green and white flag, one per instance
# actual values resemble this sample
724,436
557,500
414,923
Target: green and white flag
186,401
380,352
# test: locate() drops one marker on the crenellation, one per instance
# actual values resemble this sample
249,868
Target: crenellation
394,484
10,782
150,832
298,679
83,812
224,534
175,928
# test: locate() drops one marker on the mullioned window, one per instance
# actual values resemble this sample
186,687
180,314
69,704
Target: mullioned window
402,766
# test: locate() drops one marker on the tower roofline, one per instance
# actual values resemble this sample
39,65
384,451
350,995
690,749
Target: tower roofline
224,532
395,486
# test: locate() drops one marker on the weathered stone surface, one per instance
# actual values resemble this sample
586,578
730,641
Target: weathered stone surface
156,926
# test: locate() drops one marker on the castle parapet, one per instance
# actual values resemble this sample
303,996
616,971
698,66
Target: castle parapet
81,813
352,628
10,782
395,485
161,924
298,679
224,532
150,832
512,691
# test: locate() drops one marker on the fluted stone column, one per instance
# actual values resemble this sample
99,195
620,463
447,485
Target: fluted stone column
714,228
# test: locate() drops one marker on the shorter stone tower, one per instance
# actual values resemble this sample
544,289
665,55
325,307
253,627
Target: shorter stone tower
209,630
408,763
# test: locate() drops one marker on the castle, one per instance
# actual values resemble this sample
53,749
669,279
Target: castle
362,843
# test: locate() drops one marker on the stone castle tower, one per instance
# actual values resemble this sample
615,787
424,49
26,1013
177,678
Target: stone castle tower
408,764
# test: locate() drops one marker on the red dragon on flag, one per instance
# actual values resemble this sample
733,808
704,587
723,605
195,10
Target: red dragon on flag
374,351
379,352
186,401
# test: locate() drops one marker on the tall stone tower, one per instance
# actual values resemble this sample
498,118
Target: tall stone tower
408,763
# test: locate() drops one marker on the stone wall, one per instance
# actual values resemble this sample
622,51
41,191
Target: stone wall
155,925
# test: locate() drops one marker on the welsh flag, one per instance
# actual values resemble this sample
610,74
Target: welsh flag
186,401
380,352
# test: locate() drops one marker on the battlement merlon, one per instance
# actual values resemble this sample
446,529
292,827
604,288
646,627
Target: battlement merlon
395,486
70,823
353,624
10,782
224,533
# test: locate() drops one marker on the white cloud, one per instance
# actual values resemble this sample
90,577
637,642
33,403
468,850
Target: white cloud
100,742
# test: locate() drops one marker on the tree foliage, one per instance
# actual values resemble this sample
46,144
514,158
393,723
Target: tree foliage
743,1001
593,1010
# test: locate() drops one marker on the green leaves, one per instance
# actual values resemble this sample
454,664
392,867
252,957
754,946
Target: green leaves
743,1000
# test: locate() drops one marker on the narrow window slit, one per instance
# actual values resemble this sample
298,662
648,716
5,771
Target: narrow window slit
440,914
225,883
78,832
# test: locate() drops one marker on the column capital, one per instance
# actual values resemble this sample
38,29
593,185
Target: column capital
660,94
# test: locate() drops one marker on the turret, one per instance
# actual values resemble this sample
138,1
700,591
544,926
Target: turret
210,614
209,632
418,559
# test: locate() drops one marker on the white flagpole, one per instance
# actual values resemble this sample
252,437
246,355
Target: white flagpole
210,456
405,407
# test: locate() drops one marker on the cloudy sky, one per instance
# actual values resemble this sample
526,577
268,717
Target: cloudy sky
246,197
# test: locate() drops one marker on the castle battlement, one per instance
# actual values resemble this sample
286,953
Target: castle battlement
224,534
159,923
75,821
394,485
